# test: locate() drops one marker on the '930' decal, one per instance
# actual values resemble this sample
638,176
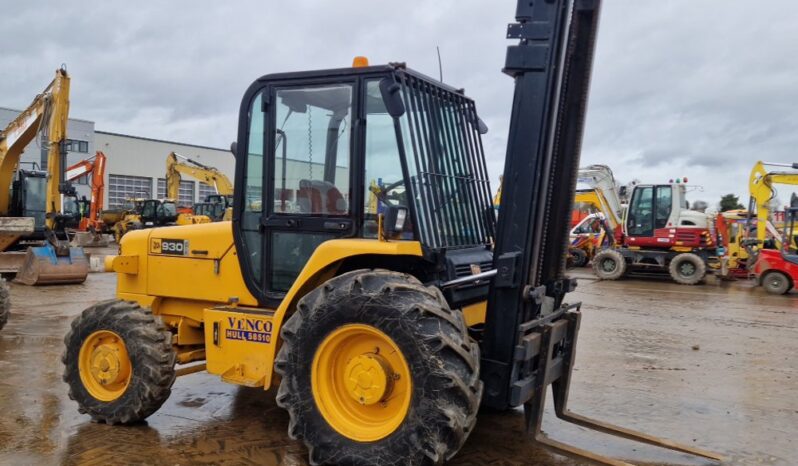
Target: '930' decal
175,247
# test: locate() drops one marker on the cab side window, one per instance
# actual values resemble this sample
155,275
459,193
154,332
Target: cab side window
312,147
384,180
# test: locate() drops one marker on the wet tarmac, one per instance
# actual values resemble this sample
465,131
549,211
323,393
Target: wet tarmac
713,366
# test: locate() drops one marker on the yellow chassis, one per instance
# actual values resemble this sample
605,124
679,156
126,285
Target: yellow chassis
201,295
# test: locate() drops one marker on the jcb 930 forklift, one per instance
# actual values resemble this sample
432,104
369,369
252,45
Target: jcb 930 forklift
385,328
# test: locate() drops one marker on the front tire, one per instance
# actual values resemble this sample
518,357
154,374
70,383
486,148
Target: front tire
687,269
578,257
119,362
382,324
5,303
609,264
776,283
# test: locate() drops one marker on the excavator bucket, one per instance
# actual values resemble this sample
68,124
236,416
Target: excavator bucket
89,239
43,266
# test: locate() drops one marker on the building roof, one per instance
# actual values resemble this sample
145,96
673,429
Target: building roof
160,140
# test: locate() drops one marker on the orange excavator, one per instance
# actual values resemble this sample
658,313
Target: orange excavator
91,226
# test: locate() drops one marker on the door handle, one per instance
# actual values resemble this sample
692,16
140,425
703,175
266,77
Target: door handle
337,225
281,222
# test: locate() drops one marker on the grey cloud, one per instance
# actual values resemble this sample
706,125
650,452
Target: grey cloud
681,88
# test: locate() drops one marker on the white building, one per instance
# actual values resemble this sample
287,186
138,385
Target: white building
136,165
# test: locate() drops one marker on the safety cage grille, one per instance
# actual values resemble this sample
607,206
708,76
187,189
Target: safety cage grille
446,165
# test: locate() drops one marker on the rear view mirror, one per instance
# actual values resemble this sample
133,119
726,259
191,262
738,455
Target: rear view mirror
481,126
234,148
394,219
391,95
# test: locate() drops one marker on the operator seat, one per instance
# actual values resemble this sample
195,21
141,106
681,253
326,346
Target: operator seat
320,197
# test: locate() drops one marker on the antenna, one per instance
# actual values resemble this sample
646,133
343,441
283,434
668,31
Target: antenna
440,65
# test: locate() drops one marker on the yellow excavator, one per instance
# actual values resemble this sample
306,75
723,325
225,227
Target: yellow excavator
744,232
382,329
36,198
760,186
153,213
217,206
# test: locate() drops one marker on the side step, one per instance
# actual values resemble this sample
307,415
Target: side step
556,353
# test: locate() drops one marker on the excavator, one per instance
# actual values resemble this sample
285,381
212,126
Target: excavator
597,190
91,226
745,232
217,206
383,332
760,186
42,194
657,233
155,213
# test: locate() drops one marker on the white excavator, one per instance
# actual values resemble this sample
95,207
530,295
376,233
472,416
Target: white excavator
658,232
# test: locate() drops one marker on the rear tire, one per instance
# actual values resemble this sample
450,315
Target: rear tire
776,283
5,302
433,340
578,257
687,269
609,264
150,362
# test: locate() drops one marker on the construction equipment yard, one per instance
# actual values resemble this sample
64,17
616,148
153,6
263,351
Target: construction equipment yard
706,365
347,286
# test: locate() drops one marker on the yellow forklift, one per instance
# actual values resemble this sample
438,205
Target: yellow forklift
383,329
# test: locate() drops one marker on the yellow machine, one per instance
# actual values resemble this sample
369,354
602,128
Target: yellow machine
152,213
737,232
31,205
760,185
217,206
386,326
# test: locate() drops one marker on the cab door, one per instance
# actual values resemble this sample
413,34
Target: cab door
297,179
648,219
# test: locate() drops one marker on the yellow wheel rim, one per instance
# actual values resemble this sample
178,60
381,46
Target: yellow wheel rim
361,382
104,364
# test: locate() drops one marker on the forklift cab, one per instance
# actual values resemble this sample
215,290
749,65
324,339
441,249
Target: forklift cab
328,154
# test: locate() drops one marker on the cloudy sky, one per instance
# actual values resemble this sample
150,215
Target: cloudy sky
691,88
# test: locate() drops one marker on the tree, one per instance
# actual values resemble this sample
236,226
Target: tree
730,202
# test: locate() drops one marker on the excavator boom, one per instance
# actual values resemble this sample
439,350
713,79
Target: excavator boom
177,165
601,183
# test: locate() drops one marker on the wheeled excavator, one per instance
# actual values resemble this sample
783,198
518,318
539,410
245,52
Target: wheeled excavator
382,329
658,232
34,198
218,206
